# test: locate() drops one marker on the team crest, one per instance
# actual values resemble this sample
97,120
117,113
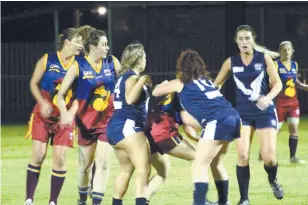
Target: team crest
258,66
107,72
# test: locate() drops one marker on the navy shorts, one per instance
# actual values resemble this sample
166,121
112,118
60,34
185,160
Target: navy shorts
266,120
118,129
227,129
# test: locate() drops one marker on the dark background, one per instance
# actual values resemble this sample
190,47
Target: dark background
164,28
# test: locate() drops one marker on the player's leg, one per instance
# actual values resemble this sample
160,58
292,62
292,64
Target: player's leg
220,175
161,163
293,121
242,167
206,151
86,157
268,138
137,148
184,150
100,178
123,179
39,149
62,141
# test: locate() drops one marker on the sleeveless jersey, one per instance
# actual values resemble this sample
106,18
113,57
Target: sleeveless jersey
138,110
287,96
94,90
51,81
201,99
251,82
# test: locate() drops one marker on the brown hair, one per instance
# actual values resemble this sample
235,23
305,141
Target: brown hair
131,55
90,36
191,66
67,34
245,28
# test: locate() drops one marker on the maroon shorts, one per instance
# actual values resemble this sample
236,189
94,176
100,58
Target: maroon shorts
284,112
88,137
165,145
43,130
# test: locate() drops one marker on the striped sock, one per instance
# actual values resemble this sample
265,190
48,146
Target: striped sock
97,198
57,180
33,174
83,194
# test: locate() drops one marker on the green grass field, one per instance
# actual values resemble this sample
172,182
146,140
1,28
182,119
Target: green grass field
16,152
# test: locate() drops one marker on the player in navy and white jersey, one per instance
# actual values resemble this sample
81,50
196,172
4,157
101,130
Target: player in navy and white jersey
256,85
204,108
125,128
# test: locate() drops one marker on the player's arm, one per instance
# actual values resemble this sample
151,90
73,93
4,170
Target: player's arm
134,86
299,84
40,67
190,133
168,87
36,79
117,65
67,82
273,77
224,73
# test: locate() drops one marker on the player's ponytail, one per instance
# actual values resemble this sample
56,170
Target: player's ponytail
67,34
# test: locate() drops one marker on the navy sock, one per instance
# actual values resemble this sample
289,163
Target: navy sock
200,193
243,177
222,188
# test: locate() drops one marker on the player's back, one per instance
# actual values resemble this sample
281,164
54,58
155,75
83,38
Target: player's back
136,111
251,81
204,102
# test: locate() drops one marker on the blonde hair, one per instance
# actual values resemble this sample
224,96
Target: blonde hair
131,55
284,43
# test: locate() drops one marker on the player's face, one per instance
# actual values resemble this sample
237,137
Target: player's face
102,47
76,45
143,62
286,51
245,41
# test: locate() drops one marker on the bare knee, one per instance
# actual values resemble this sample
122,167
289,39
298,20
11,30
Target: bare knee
102,163
243,158
38,158
59,160
269,157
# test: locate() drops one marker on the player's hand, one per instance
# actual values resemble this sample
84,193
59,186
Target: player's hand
66,119
263,102
45,109
147,79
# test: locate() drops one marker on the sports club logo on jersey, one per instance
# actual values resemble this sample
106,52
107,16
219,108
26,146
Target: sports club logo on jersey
282,70
54,67
87,74
258,66
237,69
107,72
293,70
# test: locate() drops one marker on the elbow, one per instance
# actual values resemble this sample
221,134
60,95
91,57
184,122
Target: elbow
130,101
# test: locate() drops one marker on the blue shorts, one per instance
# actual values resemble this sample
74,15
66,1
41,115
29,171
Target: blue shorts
227,129
267,120
118,129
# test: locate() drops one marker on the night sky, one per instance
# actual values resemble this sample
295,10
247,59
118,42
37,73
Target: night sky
41,27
